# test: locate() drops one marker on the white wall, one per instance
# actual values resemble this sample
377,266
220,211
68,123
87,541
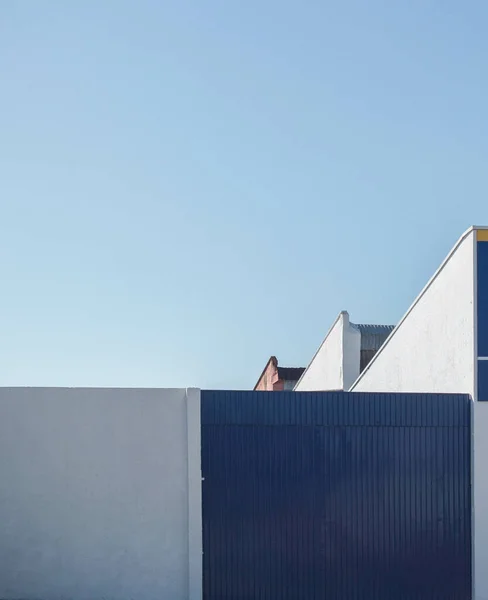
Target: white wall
433,350
325,369
335,365
100,494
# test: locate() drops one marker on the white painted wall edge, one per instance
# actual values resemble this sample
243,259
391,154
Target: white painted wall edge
343,312
475,391
195,539
416,301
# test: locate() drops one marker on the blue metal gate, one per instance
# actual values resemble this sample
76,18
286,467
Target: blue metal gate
336,496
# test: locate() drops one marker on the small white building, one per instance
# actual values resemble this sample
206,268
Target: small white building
345,352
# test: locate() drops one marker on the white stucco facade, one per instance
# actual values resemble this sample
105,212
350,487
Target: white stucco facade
100,494
433,349
334,363
351,352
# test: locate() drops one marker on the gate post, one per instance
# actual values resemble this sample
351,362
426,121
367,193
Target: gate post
194,462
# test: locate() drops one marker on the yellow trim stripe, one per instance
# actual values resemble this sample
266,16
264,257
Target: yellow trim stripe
482,235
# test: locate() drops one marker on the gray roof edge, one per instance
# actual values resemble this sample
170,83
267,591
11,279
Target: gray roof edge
372,329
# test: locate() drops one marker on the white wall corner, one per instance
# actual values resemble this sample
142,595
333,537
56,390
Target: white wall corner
325,370
351,354
344,325
195,539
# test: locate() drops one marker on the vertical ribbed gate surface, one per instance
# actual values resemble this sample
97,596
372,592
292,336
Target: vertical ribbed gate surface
336,496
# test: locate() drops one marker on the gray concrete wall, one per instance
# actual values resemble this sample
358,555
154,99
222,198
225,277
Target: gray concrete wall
100,494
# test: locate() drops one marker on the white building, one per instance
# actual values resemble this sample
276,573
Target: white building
345,352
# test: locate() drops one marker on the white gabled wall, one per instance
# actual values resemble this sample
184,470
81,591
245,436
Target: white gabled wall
335,365
432,348
325,369
101,494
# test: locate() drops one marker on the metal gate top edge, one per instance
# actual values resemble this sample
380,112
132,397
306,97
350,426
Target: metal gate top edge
219,407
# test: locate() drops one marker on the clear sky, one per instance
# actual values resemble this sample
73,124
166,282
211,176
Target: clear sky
188,187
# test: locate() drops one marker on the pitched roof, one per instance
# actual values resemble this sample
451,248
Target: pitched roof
374,329
285,373
373,336
290,373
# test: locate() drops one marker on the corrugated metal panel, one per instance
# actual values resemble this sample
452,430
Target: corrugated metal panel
373,336
290,373
336,496
334,409
374,329
365,357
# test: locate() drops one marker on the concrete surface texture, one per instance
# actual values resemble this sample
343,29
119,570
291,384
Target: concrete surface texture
335,365
94,501
432,348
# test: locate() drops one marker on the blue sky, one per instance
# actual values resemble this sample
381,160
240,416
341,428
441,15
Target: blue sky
187,187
